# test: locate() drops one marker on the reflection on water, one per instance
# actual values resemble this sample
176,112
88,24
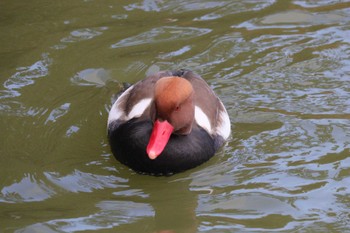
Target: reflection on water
281,68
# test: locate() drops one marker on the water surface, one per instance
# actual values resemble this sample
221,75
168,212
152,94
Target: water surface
281,67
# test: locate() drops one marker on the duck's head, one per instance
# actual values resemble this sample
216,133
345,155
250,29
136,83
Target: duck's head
173,112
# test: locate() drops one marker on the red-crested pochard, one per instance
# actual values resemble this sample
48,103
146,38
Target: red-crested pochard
167,123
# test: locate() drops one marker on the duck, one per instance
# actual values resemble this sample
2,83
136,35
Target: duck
167,123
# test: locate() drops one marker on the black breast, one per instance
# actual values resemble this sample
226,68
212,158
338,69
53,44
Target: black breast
129,141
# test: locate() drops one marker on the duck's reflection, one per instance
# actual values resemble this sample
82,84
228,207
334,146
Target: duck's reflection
173,203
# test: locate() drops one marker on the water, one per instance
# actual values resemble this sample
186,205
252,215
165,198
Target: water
281,68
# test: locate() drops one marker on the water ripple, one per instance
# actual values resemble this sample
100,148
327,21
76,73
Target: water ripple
25,76
162,34
83,182
83,34
111,214
29,189
229,8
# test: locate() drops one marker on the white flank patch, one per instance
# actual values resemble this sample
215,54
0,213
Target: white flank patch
139,108
224,127
116,113
202,119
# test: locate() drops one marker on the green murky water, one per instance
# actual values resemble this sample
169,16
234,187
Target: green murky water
281,67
